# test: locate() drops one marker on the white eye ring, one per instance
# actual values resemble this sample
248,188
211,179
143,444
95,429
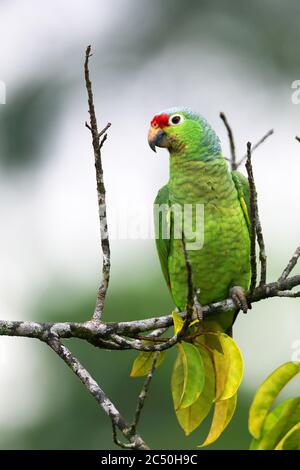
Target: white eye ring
176,119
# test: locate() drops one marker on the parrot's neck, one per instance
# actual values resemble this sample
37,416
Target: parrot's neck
198,179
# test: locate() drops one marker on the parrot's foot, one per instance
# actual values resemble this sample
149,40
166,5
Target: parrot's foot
238,295
198,312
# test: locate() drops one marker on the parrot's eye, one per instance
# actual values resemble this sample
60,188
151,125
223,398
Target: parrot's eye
176,119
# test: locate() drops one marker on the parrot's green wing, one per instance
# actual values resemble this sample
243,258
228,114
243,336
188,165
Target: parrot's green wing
161,221
162,218
242,186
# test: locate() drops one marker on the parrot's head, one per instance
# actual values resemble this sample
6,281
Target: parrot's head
183,131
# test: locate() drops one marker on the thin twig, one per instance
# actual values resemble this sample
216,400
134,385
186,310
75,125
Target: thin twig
190,290
154,335
143,394
291,264
253,221
231,142
104,129
139,345
149,338
256,220
94,389
254,147
93,127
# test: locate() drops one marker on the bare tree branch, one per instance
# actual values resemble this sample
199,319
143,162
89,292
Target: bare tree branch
97,145
100,334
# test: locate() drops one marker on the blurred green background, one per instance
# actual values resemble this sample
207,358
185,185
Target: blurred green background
234,56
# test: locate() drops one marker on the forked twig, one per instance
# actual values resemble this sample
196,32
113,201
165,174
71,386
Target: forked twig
232,160
257,144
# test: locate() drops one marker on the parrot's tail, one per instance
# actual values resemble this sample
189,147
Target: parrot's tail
229,330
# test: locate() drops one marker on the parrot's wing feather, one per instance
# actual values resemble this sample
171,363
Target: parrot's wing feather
242,187
162,223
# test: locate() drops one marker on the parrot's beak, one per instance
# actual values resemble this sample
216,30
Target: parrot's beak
156,138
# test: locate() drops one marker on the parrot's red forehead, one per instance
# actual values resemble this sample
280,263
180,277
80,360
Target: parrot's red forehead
160,120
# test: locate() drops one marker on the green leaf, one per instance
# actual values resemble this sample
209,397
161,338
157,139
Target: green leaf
291,441
191,417
143,363
267,393
235,366
219,361
277,424
178,322
188,376
223,413
228,364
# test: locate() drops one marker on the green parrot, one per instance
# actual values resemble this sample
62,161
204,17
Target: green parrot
218,242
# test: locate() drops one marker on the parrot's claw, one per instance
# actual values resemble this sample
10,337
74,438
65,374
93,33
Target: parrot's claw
238,295
198,312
